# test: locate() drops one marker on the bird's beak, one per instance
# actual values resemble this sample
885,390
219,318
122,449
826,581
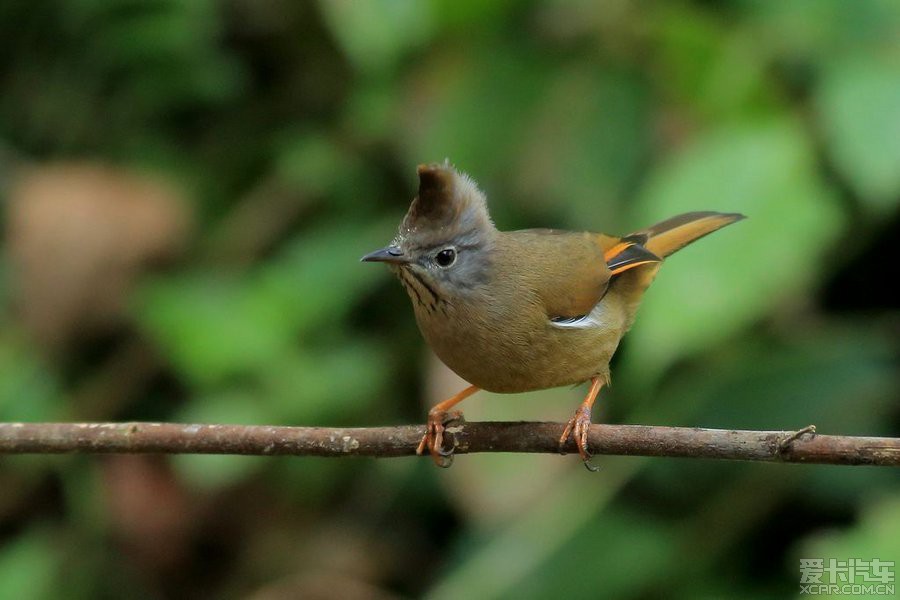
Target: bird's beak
391,254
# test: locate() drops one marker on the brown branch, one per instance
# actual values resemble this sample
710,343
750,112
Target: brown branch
633,440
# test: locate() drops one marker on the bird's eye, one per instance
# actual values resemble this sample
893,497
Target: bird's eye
445,257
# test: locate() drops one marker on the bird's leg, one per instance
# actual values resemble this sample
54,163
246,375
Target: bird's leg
579,425
434,429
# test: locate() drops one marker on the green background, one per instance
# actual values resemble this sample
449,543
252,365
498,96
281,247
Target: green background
187,186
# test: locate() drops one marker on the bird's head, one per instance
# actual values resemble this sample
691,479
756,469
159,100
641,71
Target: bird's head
443,246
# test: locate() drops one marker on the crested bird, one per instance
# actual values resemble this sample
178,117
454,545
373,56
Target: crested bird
516,311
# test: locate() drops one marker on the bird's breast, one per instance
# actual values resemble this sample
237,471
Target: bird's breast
512,346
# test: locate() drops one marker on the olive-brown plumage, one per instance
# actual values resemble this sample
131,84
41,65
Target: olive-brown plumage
522,310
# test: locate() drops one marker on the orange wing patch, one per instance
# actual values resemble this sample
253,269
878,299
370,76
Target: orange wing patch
628,255
612,252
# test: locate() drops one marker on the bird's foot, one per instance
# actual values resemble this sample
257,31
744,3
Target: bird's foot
578,427
433,439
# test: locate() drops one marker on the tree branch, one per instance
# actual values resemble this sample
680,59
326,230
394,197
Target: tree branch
633,440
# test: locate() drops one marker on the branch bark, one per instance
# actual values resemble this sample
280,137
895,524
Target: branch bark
632,440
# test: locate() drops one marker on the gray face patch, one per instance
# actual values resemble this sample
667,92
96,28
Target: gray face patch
450,216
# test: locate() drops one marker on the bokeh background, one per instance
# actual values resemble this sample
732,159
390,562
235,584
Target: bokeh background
187,186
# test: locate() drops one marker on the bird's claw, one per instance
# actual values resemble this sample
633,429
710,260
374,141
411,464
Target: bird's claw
578,427
433,439
446,452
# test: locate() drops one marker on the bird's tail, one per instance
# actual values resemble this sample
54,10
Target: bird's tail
674,234
653,244
649,247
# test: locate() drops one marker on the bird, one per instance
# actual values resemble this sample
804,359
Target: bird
518,311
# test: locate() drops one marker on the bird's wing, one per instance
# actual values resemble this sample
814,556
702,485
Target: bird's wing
622,254
567,270
605,257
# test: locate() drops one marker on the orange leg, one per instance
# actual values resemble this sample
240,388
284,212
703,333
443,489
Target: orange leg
579,425
434,430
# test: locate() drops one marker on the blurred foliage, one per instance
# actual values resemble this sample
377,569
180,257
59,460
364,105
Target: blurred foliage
287,134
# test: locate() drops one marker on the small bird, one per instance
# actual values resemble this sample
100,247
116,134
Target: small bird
516,311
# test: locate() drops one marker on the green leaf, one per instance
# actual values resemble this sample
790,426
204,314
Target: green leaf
711,289
207,471
568,137
808,379
216,325
326,262
859,108
839,378
875,536
469,14
711,69
212,326
495,562
312,162
589,133
28,391
458,100
29,564
642,548
375,35
234,406
817,31
313,387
